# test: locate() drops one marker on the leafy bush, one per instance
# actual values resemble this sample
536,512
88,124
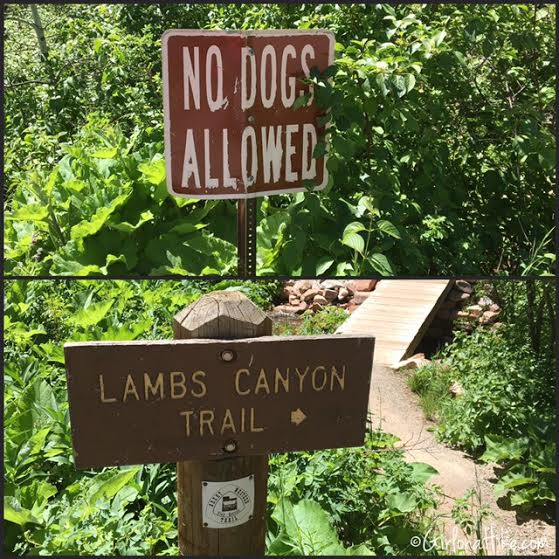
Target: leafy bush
101,515
104,209
529,471
506,412
374,499
441,128
324,321
505,388
431,383
306,529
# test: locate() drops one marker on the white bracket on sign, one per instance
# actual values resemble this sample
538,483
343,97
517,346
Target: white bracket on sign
227,503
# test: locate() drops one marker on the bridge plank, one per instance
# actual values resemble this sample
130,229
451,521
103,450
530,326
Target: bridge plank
397,313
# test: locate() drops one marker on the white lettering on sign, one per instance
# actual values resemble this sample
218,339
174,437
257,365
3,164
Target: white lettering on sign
214,69
277,148
228,182
178,385
272,152
286,99
226,504
308,51
309,163
190,166
230,127
290,129
247,100
268,60
210,182
191,77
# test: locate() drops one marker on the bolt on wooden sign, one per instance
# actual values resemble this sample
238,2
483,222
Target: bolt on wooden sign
169,401
231,128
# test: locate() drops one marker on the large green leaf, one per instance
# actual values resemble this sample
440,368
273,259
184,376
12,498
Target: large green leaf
423,472
92,315
64,265
499,449
314,530
37,399
323,265
402,502
14,513
129,227
187,227
389,228
99,219
284,516
30,212
351,237
111,486
409,82
380,264
270,227
108,153
154,171
36,495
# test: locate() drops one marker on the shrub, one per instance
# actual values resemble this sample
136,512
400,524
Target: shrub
507,407
505,387
529,474
325,321
371,495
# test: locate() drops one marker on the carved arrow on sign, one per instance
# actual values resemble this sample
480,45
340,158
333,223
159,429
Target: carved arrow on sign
298,416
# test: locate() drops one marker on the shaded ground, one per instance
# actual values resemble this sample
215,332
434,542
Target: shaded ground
395,409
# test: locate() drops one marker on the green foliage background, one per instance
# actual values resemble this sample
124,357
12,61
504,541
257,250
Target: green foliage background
442,145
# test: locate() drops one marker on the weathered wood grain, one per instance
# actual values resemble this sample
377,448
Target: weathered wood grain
397,313
221,315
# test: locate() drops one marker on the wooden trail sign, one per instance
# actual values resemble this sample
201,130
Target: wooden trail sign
231,130
217,407
166,401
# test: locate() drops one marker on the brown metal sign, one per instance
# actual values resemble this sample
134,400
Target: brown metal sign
168,401
231,129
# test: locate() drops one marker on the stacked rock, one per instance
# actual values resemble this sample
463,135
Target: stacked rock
440,329
303,295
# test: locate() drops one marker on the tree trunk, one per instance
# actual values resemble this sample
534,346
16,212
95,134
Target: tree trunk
40,32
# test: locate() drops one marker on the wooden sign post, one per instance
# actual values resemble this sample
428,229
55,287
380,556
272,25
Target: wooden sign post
231,128
217,400
222,315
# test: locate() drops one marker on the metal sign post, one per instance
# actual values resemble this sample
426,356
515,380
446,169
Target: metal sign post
246,237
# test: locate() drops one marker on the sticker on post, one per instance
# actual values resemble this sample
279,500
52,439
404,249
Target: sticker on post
227,503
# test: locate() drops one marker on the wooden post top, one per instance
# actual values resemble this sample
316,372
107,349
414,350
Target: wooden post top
223,314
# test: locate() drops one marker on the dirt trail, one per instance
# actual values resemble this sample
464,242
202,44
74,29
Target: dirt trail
395,409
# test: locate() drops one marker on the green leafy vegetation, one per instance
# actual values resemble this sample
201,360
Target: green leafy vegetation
325,321
348,501
506,411
442,149
469,512
359,501
528,463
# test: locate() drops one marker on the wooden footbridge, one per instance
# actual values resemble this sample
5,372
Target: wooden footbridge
397,313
